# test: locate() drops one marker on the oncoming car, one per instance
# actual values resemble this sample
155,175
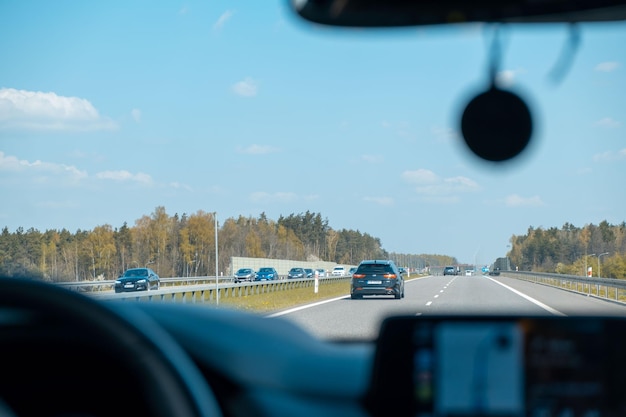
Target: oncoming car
338,271
321,272
244,274
296,273
266,274
377,277
137,279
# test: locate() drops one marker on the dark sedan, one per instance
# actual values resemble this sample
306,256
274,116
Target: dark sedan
138,279
266,274
295,273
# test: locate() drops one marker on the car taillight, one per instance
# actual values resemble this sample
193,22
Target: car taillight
390,276
358,275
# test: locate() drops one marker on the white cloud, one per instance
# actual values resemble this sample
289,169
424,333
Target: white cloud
136,114
514,200
430,184
257,149
383,201
444,133
507,78
225,17
372,159
178,185
401,128
124,175
13,164
56,205
608,66
246,87
278,197
420,176
610,156
608,122
23,109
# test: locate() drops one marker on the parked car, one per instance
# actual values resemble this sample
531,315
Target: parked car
266,274
309,272
338,271
245,274
296,273
138,279
377,277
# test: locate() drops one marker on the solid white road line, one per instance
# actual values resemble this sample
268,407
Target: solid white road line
532,300
293,310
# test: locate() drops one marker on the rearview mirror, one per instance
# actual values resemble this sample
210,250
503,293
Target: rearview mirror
389,13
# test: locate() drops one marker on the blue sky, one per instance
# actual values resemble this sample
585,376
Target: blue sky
110,109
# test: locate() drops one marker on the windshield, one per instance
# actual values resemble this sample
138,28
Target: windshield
165,135
136,273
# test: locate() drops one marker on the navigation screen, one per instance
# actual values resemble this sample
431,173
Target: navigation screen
509,368
500,367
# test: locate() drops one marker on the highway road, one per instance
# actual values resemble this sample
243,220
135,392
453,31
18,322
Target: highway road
343,318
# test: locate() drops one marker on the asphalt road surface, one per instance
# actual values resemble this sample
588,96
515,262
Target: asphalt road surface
343,318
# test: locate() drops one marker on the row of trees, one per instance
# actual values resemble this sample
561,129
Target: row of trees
422,261
178,245
570,249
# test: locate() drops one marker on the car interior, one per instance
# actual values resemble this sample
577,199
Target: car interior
63,353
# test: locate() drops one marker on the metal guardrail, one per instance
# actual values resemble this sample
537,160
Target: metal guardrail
103,285
608,288
209,292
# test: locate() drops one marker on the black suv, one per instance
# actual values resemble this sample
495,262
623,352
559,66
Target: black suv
377,277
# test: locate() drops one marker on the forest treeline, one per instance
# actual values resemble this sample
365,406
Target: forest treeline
182,245
571,249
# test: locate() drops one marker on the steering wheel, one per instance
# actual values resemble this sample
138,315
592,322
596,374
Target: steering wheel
49,329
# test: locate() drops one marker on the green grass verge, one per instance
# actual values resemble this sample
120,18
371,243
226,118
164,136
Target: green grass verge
279,300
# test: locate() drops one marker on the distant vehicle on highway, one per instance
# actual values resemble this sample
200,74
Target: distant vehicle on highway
309,272
352,270
266,274
137,279
449,270
321,272
245,274
295,273
469,272
338,271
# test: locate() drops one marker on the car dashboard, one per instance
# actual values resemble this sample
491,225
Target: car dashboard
62,354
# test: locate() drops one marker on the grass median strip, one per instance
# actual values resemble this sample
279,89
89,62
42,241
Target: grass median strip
279,300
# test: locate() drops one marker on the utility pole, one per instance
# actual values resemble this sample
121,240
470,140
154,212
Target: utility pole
217,279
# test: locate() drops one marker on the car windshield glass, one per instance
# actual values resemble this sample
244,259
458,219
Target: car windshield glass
166,134
374,269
